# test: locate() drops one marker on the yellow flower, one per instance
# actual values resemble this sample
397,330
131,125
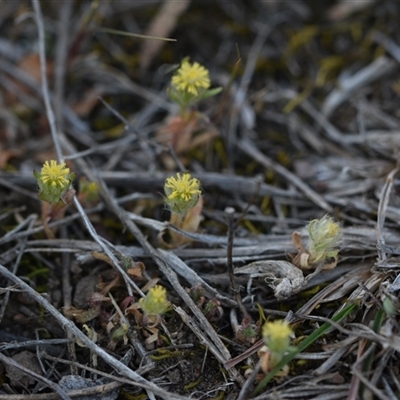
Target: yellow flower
54,174
54,182
183,187
277,335
191,77
182,192
155,302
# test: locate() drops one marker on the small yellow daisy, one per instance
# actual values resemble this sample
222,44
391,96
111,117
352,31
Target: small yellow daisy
54,174
183,187
191,77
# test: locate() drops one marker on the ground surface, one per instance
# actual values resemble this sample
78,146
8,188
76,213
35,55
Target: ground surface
307,124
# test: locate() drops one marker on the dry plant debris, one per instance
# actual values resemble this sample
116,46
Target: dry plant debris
199,200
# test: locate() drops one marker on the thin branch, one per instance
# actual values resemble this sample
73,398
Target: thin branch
69,326
45,87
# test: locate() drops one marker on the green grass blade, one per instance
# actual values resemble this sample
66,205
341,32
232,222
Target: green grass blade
303,345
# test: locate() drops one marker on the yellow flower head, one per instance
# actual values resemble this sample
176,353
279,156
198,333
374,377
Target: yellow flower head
54,181
183,187
155,302
277,335
182,192
324,236
191,77
54,174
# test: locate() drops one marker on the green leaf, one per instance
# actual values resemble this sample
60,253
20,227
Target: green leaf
211,92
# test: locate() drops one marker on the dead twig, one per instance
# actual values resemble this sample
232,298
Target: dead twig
252,151
69,326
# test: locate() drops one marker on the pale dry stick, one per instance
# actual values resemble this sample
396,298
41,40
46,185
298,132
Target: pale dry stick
12,235
197,331
273,246
357,373
337,136
118,115
192,277
8,212
80,393
103,148
68,325
229,262
127,85
248,385
118,155
263,32
338,288
67,297
199,237
348,84
163,24
140,370
222,354
22,245
16,235
56,139
394,379
17,74
157,255
373,110
240,95
384,361
11,86
45,89
12,363
230,184
390,45
64,26
52,120
83,165
32,102
332,132
26,343
128,281
217,256
345,347
251,150
383,203
306,391
16,189
389,390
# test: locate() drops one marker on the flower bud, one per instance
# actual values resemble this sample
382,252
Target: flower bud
324,235
155,302
277,336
